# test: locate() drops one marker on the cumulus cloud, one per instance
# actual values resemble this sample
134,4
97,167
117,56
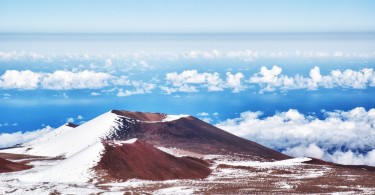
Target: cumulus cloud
70,120
190,80
74,119
65,80
13,79
62,80
206,117
268,80
139,88
234,81
272,79
203,114
11,139
345,137
58,80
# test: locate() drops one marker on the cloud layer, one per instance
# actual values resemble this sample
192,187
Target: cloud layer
191,80
272,79
345,137
58,80
243,55
11,139
188,81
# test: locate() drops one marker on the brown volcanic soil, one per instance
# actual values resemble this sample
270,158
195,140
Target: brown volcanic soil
143,161
11,156
141,116
192,134
9,166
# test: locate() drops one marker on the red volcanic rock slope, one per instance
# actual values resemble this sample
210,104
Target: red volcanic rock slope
9,166
187,133
124,160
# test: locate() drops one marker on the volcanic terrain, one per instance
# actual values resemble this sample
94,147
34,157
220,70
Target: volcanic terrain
122,151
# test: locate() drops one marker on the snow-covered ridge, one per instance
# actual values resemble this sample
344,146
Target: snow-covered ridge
67,141
77,168
49,136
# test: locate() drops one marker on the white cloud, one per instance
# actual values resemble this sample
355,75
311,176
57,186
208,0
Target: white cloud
14,55
139,88
108,63
6,96
62,80
331,138
234,81
203,114
182,88
13,79
140,57
206,119
268,80
95,94
68,80
11,139
272,79
190,80
74,119
58,80
121,80
183,82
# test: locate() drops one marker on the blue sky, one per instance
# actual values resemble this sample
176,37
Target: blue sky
186,16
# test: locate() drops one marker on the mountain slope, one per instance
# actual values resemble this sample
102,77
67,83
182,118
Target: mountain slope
179,131
118,151
87,147
9,166
137,159
67,141
188,133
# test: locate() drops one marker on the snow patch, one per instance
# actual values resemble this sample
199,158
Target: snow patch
120,143
130,141
173,117
176,190
172,151
76,169
285,185
288,162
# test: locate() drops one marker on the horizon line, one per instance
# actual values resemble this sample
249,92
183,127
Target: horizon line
188,33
